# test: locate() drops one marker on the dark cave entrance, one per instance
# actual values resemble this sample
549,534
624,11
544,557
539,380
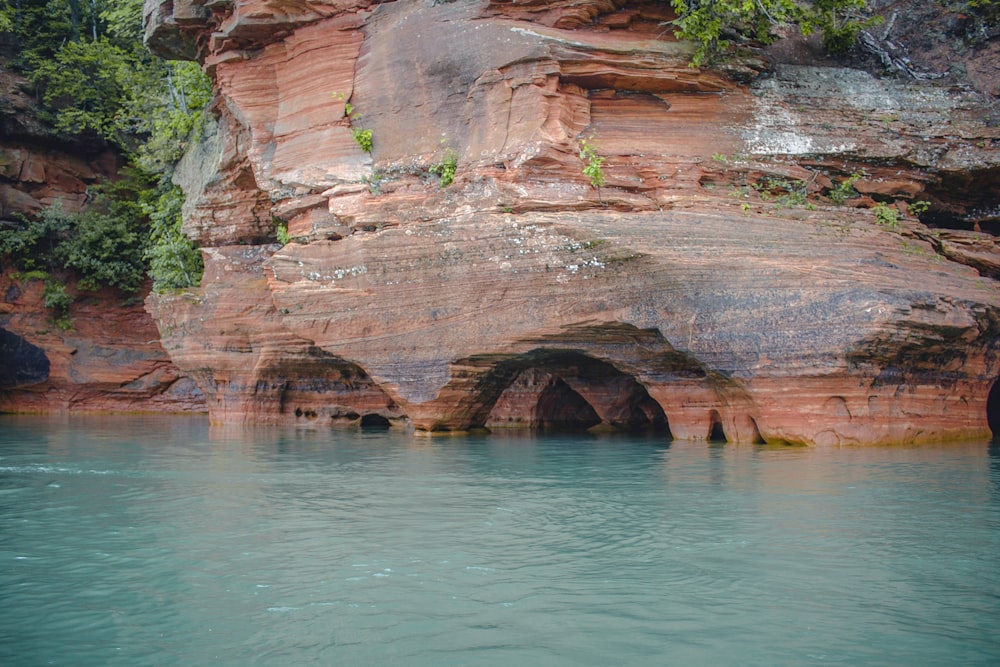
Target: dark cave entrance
553,390
993,409
21,363
561,408
715,432
966,201
374,422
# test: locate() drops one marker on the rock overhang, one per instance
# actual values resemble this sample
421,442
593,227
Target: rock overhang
416,284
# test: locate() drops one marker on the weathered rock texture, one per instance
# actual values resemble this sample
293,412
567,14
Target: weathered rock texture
108,357
37,169
711,289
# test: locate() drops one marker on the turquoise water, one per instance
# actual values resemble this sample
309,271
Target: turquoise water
161,541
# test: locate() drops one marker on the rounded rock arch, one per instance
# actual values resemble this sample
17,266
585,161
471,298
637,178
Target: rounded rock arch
716,432
552,389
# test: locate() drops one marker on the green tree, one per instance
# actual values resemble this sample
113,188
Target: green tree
95,78
85,85
175,262
714,23
103,245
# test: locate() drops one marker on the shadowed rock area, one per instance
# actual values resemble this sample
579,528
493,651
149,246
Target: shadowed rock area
21,363
731,280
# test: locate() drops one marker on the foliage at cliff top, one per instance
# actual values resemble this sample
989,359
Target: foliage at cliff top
95,79
714,24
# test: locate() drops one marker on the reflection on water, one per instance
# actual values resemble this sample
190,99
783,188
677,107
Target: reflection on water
158,541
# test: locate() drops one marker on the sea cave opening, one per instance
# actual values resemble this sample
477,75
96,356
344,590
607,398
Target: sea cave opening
993,409
374,422
715,432
21,363
568,391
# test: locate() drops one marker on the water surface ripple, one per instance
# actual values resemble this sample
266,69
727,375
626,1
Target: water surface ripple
162,541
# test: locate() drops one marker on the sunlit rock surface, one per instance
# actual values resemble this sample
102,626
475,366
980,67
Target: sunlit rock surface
712,288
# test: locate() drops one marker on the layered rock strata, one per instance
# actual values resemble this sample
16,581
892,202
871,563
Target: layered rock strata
710,288
105,355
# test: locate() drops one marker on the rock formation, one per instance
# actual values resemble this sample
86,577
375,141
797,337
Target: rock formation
106,356
109,358
712,287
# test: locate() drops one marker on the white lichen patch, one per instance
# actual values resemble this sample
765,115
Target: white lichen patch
530,247
775,131
806,110
332,276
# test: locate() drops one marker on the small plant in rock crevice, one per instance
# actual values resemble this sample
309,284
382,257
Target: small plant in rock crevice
281,233
917,208
374,181
362,135
844,190
886,215
446,168
785,193
594,163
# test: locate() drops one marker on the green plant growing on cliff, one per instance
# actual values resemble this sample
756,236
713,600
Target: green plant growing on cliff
174,261
281,232
103,244
446,168
784,192
844,190
55,297
363,137
715,24
886,215
918,208
593,163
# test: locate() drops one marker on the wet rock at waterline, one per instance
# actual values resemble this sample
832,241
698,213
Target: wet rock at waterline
716,286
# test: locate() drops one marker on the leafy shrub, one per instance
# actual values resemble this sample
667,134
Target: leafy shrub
174,261
55,297
785,193
886,215
363,138
446,168
844,190
594,167
31,245
104,250
714,23
85,84
281,232
104,245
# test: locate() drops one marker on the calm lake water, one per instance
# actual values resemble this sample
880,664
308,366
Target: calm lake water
162,541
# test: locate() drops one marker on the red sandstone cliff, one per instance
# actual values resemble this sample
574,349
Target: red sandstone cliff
106,356
711,287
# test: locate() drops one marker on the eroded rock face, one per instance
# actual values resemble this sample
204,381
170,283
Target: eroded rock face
106,358
710,289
